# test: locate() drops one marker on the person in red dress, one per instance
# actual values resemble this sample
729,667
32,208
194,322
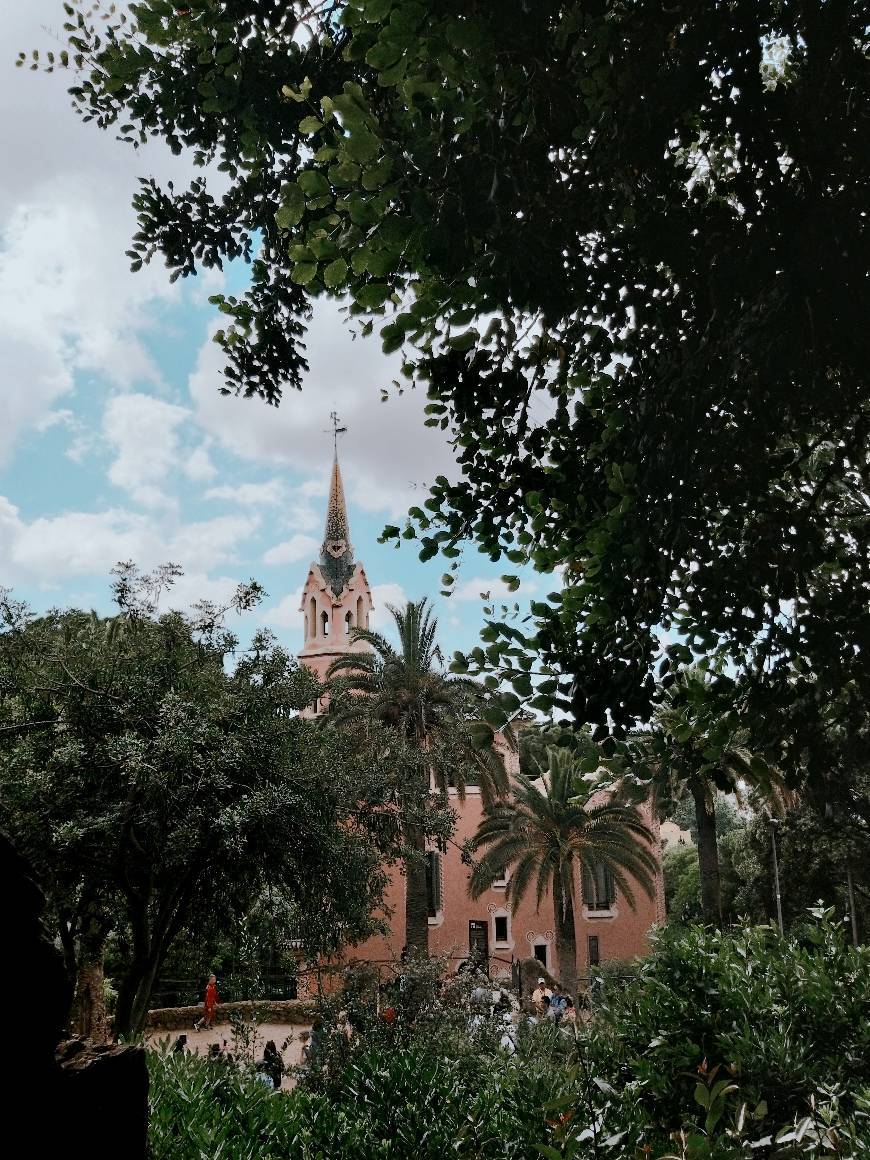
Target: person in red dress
211,1002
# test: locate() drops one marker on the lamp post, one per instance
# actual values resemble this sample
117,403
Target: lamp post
774,826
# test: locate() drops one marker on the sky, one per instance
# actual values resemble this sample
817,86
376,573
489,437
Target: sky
115,443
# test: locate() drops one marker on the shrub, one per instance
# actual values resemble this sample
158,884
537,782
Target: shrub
729,1045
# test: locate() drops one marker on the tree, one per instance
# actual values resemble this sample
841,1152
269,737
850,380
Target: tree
159,782
696,746
578,221
550,827
433,716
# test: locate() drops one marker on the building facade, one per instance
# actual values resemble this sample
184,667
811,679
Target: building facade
335,598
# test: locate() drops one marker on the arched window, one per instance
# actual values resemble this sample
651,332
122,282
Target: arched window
348,623
306,625
312,617
361,619
324,622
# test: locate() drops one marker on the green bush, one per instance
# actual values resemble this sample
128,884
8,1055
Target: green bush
729,1045
773,1026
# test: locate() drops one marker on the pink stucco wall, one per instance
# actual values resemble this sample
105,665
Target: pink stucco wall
622,931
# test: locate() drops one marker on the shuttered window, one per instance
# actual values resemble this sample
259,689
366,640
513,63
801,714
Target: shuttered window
433,882
599,889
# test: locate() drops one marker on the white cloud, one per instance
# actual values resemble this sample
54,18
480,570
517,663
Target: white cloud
490,588
314,488
270,493
289,551
285,614
143,432
50,549
212,542
382,595
388,453
199,466
68,302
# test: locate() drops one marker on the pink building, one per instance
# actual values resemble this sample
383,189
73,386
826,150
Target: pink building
336,597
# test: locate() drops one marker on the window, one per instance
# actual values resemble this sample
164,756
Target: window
348,623
599,889
433,882
324,621
501,928
361,620
312,617
500,879
540,952
594,951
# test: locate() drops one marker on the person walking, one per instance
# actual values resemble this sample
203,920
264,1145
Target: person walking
211,1002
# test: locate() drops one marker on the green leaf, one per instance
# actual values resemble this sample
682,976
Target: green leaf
335,273
384,54
310,125
361,145
464,341
372,295
303,273
313,183
292,206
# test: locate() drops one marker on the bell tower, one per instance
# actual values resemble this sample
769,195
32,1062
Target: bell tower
336,596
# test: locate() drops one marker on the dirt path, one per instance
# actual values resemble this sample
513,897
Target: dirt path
200,1041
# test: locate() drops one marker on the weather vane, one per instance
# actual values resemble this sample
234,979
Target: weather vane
336,429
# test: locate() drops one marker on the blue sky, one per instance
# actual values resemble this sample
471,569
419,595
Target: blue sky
114,440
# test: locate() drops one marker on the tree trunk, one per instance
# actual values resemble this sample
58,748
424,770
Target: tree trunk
566,936
416,894
708,852
142,999
89,1005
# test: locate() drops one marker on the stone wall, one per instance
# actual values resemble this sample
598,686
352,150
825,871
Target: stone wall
290,1011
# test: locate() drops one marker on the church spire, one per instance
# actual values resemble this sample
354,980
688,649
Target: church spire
336,553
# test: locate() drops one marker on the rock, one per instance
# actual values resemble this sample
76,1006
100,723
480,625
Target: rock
38,995
61,1096
104,1097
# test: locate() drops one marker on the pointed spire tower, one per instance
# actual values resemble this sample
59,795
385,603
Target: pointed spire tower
336,596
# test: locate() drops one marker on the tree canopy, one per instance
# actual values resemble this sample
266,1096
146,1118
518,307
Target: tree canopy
624,246
156,780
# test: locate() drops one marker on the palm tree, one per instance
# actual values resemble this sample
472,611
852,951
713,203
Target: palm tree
546,831
696,747
434,715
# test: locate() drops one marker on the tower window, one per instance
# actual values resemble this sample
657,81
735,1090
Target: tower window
594,951
348,623
312,617
501,928
324,622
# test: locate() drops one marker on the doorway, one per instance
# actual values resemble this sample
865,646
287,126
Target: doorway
478,941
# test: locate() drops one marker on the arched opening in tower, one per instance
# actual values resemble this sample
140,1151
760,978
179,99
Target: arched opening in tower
324,622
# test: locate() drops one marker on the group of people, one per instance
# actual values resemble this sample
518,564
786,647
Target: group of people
269,1067
553,1004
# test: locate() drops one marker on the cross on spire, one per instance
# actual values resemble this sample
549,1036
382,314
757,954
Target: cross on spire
336,430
